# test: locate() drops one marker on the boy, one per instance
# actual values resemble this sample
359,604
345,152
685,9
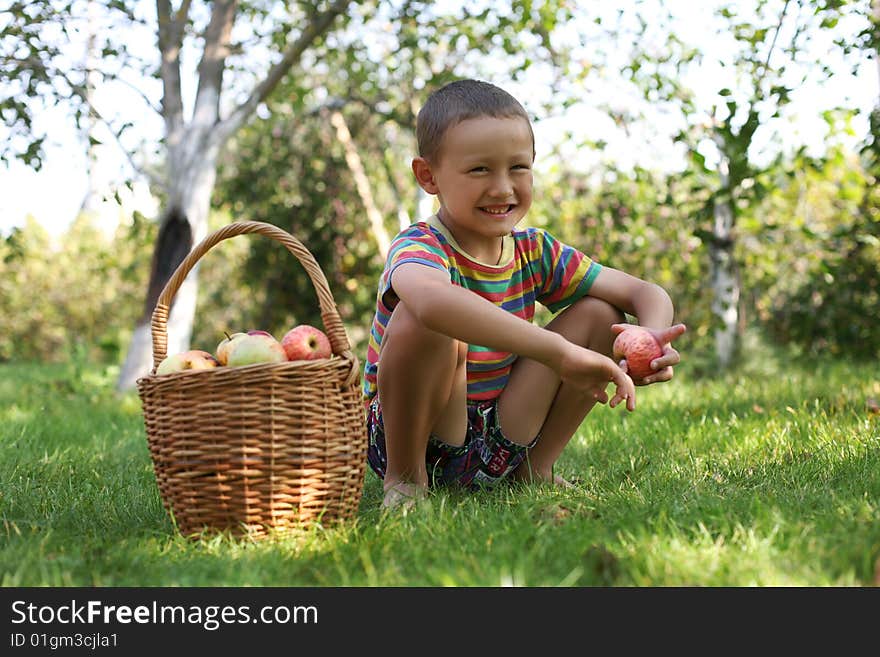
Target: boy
460,385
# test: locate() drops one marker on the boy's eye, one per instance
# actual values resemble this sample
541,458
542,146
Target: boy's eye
479,169
521,166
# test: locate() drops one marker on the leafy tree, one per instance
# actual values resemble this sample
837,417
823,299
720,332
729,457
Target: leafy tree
833,307
244,50
769,61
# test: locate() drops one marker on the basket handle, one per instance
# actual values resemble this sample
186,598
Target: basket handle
329,314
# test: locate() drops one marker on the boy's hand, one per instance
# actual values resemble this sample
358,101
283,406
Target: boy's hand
591,372
663,365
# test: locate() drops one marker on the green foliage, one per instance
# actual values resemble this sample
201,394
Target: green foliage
806,235
809,250
641,223
808,247
27,59
278,177
822,262
72,295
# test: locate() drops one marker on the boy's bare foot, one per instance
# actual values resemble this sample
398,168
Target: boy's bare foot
562,482
403,495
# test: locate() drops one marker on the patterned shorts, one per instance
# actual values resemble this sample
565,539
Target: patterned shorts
485,458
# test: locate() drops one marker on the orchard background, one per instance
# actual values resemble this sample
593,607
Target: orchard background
749,231
663,152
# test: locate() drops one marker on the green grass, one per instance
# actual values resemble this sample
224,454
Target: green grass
766,477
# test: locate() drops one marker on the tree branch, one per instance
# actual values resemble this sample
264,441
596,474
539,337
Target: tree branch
772,46
291,56
170,45
405,120
153,180
210,71
183,12
140,92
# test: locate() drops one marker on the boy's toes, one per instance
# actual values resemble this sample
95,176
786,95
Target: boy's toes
403,496
562,482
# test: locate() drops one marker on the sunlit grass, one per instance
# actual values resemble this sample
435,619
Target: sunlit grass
769,476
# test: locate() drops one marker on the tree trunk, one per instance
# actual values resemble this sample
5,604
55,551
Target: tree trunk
184,224
724,278
356,166
193,148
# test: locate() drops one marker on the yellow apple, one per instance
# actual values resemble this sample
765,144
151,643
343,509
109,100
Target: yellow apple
194,359
222,350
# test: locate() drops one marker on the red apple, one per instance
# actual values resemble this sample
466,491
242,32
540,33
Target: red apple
639,347
222,351
305,342
251,349
194,359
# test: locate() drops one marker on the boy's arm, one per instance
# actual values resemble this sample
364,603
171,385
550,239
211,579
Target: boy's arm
463,315
651,304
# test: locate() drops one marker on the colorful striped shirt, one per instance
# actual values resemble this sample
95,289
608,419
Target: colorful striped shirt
534,266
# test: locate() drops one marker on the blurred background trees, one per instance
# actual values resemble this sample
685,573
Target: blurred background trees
328,152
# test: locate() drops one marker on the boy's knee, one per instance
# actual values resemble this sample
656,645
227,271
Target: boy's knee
401,318
599,312
404,326
594,313
594,317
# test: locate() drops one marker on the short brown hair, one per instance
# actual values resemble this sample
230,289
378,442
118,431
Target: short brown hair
458,101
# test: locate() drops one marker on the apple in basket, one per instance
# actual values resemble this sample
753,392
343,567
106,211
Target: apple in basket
255,347
194,359
222,351
305,342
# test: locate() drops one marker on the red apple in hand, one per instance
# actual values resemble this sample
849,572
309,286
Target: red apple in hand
639,347
194,359
305,342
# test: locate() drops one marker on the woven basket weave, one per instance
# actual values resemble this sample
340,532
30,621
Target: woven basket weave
260,447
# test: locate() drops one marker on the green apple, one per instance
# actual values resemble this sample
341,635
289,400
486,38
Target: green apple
222,351
251,349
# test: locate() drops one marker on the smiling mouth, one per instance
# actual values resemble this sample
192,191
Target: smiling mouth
498,210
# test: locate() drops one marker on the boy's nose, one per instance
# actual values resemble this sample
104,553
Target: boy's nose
502,186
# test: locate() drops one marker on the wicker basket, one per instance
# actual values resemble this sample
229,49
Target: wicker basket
261,447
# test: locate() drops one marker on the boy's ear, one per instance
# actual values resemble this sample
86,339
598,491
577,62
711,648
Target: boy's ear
424,175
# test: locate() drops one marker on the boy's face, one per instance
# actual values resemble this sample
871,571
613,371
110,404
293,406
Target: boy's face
482,176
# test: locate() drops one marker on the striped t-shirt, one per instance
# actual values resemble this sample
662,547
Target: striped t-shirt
534,266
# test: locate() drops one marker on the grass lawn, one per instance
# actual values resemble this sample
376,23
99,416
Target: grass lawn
766,477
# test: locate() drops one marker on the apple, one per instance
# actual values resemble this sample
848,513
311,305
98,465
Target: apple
305,342
222,351
639,347
258,332
194,359
256,348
